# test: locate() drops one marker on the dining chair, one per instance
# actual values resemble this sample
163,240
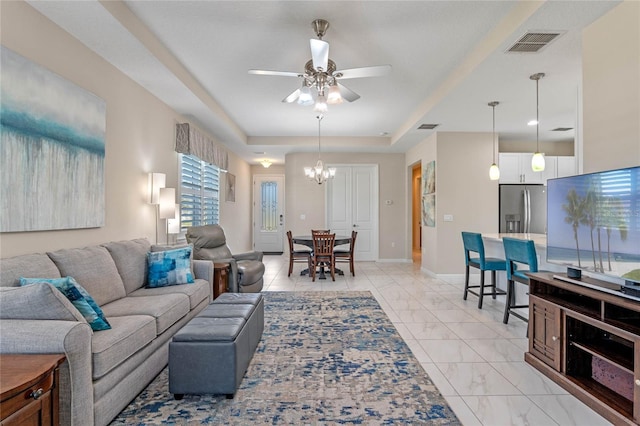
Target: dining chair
297,255
320,231
517,252
342,255
474,257
323,254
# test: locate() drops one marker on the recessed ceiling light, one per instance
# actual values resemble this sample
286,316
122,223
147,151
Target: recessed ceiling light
532,123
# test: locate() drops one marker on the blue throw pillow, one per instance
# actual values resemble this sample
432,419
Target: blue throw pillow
78,296
170,267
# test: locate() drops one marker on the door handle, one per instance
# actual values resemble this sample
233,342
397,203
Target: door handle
355,226
281,220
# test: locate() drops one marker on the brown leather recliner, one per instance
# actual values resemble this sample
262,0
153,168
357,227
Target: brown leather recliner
247,269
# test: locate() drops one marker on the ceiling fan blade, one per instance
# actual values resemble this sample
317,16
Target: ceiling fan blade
292,97
319,53
375,71
278,73
347,93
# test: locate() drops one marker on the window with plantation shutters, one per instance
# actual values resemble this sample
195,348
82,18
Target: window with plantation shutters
199,192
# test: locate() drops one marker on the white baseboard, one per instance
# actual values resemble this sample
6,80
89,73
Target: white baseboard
394,260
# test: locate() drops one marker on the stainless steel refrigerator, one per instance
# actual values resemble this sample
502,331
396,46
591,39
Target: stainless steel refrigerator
523,208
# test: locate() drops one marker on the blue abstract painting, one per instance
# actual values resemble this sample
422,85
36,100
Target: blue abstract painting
52,150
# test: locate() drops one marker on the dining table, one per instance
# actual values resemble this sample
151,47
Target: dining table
307,240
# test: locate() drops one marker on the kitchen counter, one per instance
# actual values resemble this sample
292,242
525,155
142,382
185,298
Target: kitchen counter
540,240
493,248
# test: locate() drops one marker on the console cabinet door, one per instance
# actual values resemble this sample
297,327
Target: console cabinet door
545,340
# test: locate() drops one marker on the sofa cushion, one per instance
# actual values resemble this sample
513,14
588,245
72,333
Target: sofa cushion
78,297
250,271
94,269
127,336
170,267
166,309
130,258
36,302
29,265
197,292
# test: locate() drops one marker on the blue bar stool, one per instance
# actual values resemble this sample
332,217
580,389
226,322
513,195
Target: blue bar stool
522,252
473,244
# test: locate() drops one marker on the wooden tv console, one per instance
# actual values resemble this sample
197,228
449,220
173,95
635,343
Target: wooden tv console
585,336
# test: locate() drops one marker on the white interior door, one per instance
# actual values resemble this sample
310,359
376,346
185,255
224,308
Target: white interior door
268,213
352,204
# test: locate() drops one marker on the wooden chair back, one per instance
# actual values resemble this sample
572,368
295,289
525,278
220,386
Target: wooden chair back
323,244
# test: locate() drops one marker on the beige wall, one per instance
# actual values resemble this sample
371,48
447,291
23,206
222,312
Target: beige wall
611,90
563,148
304,197
140,132
463,190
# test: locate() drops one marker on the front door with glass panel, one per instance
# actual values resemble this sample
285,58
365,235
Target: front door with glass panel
268,213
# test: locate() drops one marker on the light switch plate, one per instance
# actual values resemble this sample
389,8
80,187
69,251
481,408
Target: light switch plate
448,218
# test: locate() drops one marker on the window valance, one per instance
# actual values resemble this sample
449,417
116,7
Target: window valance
190,141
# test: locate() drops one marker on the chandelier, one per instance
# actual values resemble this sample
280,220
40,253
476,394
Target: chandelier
319,173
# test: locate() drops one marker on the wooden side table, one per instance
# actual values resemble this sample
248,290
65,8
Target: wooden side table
29,389
220,278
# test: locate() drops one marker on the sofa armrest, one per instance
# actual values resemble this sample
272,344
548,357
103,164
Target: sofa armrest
252,255
72,338
203,269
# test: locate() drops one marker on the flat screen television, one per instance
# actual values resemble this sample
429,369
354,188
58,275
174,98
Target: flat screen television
593,224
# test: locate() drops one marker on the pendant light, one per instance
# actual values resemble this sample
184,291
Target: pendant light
494,171
537,162
319,173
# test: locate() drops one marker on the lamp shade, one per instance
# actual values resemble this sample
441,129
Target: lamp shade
537,162
173,225
156,181
494,172
167,203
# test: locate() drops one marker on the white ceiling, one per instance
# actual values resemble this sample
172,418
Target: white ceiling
447,61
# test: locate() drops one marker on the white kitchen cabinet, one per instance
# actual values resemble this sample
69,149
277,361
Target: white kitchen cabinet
515,167
566,166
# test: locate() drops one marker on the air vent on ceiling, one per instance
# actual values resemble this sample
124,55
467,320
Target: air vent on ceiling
532,42
562,129
428,126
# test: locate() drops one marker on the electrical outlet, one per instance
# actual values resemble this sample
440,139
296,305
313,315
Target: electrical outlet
393,244
303,217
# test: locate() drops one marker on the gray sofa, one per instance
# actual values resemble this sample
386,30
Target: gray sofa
105,369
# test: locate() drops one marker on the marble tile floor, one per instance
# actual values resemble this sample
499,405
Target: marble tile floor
474,359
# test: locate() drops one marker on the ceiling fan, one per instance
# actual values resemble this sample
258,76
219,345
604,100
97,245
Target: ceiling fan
320,84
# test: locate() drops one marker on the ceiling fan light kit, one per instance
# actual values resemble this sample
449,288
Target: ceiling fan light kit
320,85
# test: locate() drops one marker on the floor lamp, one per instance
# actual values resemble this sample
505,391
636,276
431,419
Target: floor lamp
156,182
167,207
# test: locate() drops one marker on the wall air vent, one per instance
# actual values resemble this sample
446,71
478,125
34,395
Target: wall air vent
533,41
562,129
427,126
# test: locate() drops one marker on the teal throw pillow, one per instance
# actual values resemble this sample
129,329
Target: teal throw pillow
78,296
170,267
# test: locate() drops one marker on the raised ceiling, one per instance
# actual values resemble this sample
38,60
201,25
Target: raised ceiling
448,61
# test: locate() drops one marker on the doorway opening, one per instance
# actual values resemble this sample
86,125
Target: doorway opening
416,216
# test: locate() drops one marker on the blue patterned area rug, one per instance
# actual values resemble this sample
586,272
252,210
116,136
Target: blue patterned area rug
324,358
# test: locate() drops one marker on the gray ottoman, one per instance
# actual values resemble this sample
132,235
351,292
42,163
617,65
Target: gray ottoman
211,353
224,305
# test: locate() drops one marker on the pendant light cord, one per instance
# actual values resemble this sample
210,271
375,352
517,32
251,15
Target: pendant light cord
494,133
319,134
537,117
